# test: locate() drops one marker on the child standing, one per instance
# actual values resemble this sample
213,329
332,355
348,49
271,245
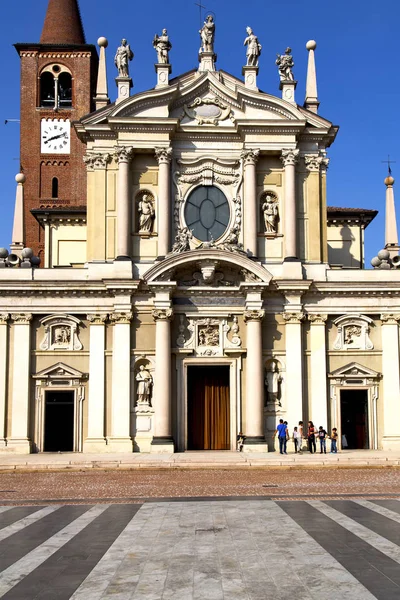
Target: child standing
322,435
334,438
296,440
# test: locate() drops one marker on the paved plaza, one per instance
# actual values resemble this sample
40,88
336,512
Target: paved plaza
215,549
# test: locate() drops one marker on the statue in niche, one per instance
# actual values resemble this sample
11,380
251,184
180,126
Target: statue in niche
162,46
144,386
253,48
182,240
122,57
285,65
207,34
146,214
270,213
352,335
273,382
62,336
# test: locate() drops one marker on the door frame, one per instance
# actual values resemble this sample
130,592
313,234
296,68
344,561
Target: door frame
74,423
235,365
370,407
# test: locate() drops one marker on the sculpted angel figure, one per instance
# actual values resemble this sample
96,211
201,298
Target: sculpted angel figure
182,240
145,382
162,45
253,48
285,65
207,34
122,57
270,212
146,214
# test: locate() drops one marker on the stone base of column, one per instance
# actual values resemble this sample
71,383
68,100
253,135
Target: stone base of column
161,445
124,84
250,77
255,443
95,445
119,444
292,269
3,444
19,445
123,257
391,443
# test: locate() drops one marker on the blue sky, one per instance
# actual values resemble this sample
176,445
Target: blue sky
357,67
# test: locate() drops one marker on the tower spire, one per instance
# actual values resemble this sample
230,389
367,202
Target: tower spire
63,24
311,101
391,237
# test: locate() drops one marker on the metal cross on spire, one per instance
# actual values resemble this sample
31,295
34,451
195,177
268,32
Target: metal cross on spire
199,4
389,162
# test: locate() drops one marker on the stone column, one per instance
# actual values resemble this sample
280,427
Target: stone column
390,381
294,367
19,440
124,250
95,441
120,440
289,159
254,429
162,440
164,156
318,380
3,376
250,158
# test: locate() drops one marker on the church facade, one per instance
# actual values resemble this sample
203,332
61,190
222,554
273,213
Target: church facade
193,283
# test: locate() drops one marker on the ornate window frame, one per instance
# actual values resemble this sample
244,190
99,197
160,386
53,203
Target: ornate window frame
347,326
65,323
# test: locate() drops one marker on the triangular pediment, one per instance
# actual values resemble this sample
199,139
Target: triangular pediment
354,370
60,371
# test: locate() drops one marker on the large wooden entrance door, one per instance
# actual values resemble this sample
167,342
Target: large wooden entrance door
208,410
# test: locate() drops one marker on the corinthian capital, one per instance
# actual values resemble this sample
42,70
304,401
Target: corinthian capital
121,318
313,162
390,319
96,161
317,319
21,318
4,318
293,317
163,155
250,156
162,314
97,319
289,157
253,315
123,153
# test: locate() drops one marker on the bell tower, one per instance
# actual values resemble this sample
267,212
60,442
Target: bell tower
58,81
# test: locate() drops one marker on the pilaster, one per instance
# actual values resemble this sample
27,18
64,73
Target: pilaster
249,158
289,158
163,157
391,381
96,441
96,165
3,376
318,379
312,163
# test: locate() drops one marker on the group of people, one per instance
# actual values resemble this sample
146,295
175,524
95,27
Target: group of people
311,435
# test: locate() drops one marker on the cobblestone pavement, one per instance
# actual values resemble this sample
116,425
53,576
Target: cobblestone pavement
132,486
237,549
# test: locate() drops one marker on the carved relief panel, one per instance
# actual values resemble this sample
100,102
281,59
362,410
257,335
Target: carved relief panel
61,332
208,336
353,333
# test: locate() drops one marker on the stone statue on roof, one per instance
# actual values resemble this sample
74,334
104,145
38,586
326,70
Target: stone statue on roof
253,48
207,34
285,65
122,57
162,46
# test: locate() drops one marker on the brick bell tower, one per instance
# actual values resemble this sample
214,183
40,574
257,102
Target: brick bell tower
58,79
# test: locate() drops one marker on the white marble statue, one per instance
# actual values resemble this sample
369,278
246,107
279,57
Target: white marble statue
253,48
285,65
122,57
270,212
207,34
146,214
273,382
144,386
162,45
182,240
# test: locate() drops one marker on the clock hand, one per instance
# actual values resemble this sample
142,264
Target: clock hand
55,137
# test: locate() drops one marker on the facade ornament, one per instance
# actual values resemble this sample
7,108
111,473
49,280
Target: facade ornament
21,318
182,240
250,156
144,385
208,111
317,319
253,48
293,317
253,315
162,314
390,318
61,332
208,333
123,153
123,55
231,242
207,35
146,213
180,340
96,161
162,45
235,341
313,162
289,157
121,318
285,65
273,384
4,318
250,277
97,319
353,333
324,163
270,212
163,155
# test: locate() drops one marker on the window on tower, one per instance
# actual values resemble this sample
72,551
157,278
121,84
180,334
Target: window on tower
47,89
55,87
65,90
54,188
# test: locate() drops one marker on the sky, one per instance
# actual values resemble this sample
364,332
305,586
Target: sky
358,75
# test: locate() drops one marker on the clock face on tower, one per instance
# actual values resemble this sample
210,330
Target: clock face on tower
55,136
